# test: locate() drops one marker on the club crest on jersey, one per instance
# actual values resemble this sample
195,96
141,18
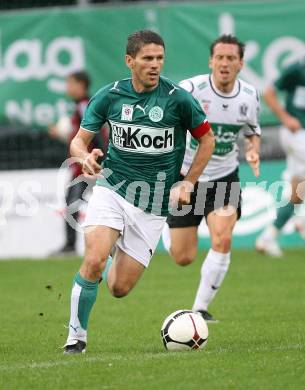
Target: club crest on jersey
127,112
243,109
155,114
142,139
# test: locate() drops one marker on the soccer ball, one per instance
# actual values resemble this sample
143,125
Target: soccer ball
184,330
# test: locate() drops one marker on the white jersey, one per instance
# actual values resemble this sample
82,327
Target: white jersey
227,114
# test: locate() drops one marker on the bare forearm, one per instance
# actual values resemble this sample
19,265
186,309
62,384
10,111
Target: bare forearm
253,142
274,104
252,153
79,148
202,157
291,122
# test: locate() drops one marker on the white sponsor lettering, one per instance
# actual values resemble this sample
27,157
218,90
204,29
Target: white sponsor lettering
43,114
42,63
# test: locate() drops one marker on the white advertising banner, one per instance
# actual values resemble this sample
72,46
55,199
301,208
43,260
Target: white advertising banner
32,210
31,213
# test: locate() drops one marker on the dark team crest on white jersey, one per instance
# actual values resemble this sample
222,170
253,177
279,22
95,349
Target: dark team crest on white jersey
243,109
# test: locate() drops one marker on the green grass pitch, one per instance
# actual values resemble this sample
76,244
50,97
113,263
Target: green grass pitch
259,343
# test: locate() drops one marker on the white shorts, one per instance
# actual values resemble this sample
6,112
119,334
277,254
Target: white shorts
293,145
139,231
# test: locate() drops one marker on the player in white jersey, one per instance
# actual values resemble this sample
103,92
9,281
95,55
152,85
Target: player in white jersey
231,105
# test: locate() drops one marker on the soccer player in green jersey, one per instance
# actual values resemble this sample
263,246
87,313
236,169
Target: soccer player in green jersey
292,136
148,117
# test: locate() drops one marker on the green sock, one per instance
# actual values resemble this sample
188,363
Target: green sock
106,269
283,214
86,294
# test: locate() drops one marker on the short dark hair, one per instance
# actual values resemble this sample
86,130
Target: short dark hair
81,77
228,38
136,40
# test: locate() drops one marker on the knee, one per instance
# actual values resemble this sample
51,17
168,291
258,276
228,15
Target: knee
295,199
119,290
184,258
221,242
94,264
298,192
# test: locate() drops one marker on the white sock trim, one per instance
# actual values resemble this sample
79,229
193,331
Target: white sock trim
76,332
166,237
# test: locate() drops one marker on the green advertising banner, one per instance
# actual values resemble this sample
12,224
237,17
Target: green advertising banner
38,49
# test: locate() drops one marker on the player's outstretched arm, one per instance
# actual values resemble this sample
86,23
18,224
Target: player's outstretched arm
289,121
79,149
203,154
252,153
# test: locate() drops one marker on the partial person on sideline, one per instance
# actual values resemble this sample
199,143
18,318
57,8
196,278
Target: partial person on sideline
77,87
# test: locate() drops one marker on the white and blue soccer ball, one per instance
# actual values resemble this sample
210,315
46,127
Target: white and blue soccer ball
184,330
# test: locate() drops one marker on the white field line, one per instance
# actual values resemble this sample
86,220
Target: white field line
51,364
145,356
80,359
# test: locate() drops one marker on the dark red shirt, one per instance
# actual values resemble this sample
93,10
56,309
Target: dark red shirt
76,120
101,143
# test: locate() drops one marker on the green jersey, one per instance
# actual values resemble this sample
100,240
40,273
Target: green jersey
146,140
292,81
